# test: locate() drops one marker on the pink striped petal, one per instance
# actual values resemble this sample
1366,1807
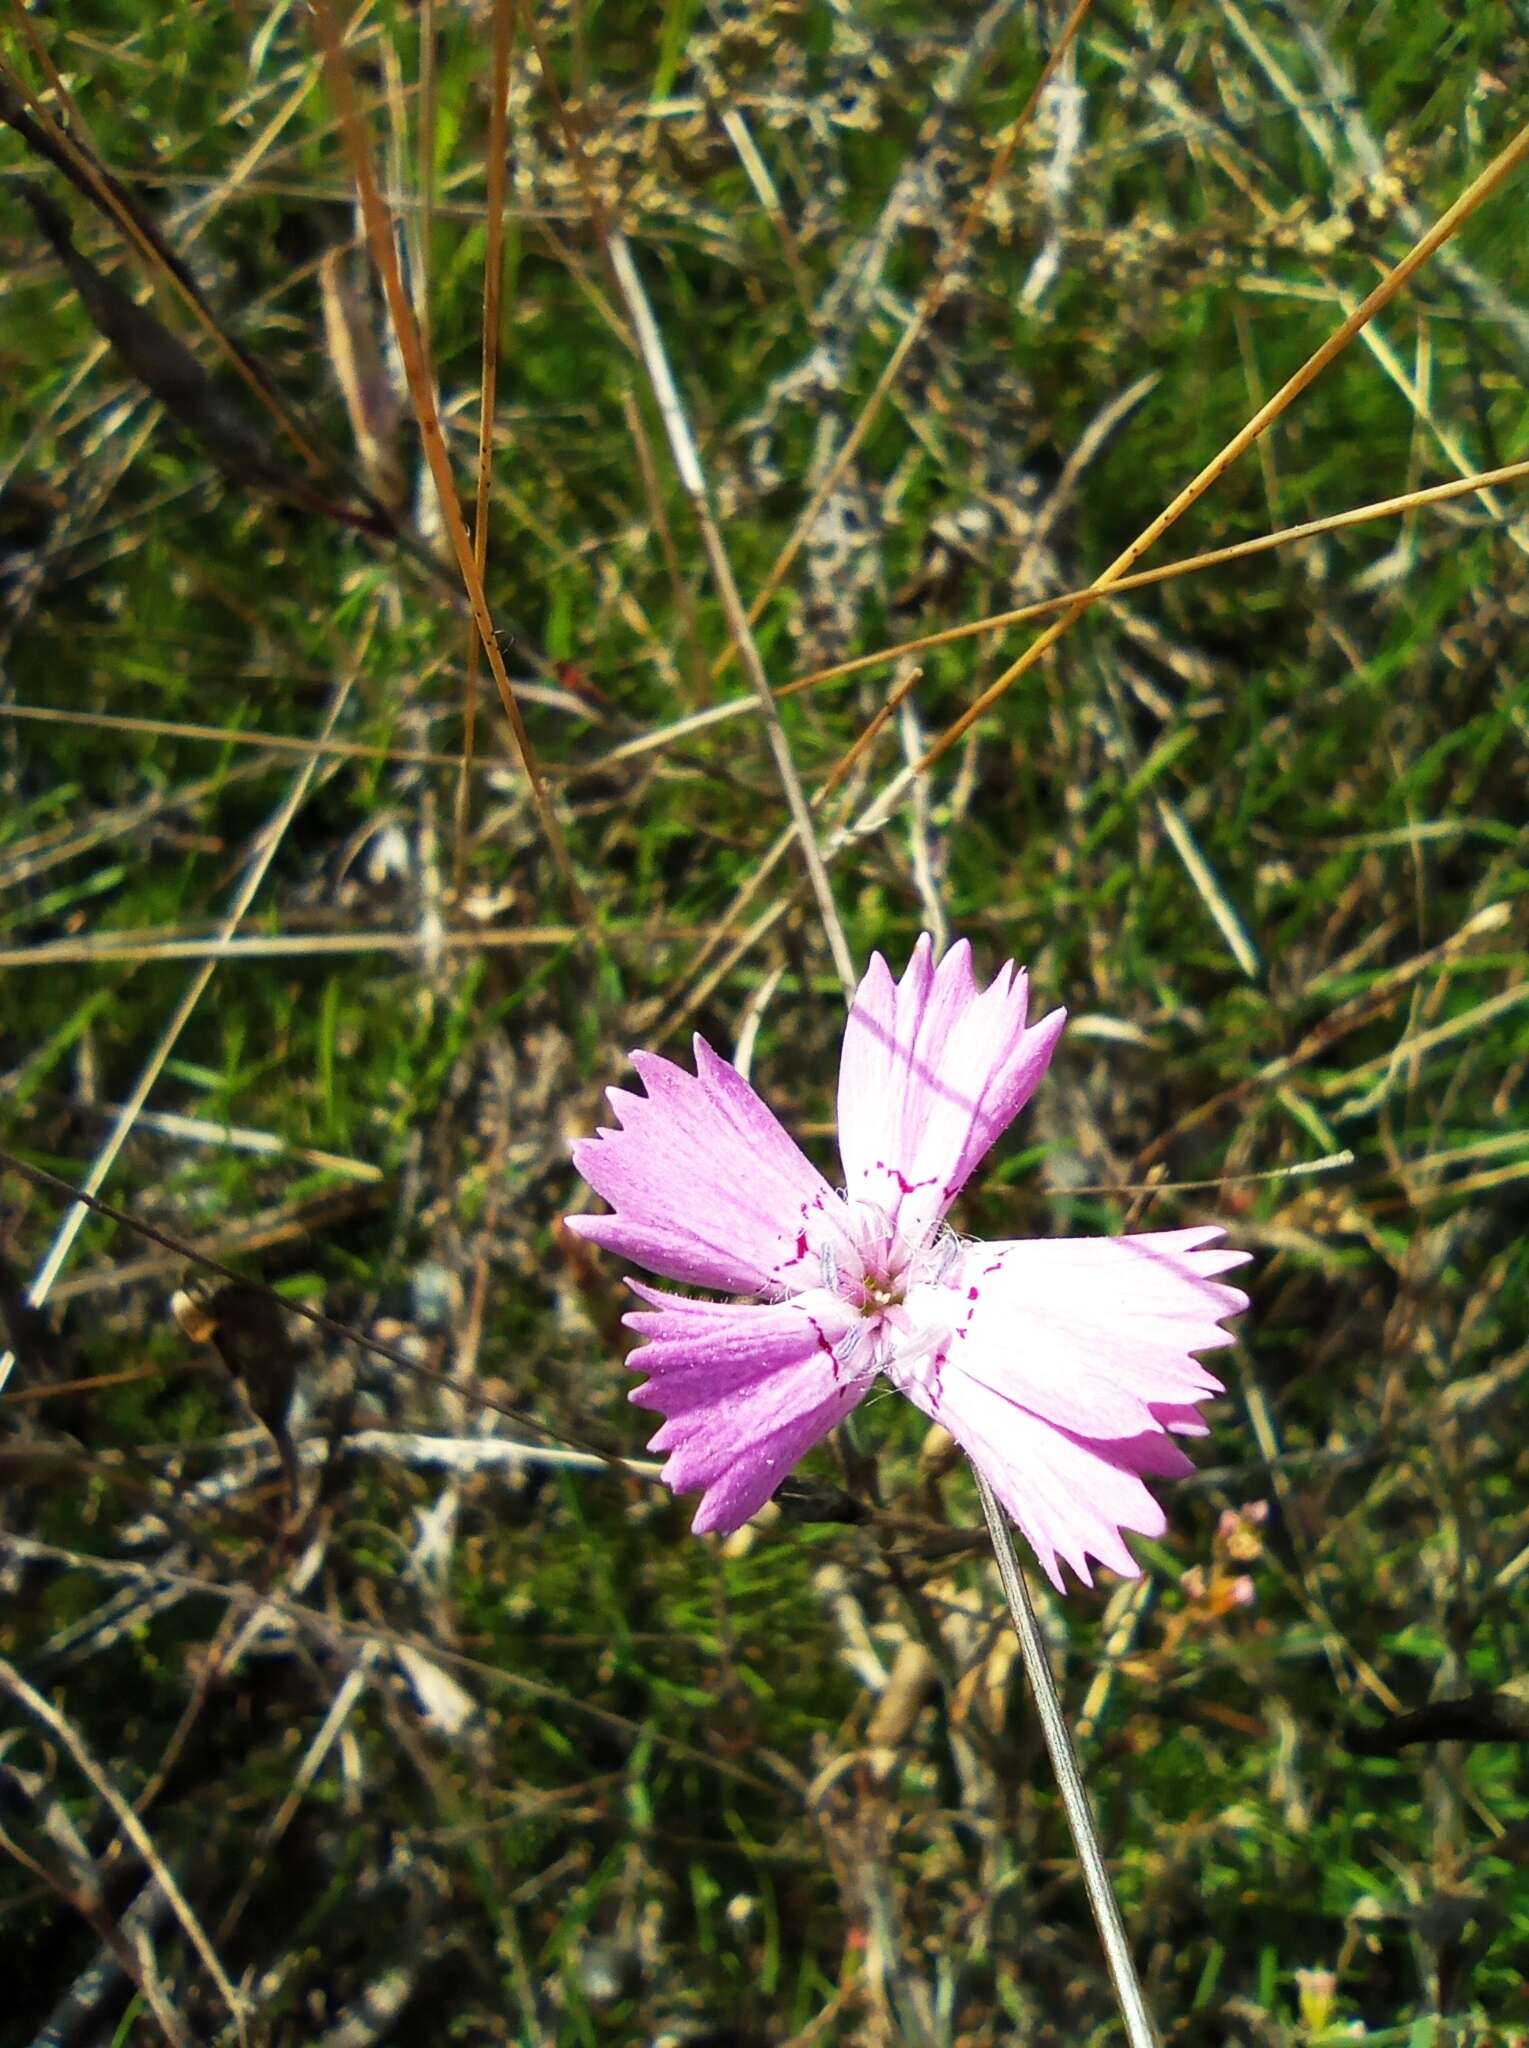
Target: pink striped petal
705,1184
932,1071
1070,1367
1071,1497
1094,1334
745,1389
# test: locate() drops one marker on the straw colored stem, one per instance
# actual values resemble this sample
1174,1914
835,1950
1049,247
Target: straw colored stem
1166,572
1475,195
1140,2031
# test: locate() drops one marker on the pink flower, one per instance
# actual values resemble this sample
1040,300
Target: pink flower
1062,1366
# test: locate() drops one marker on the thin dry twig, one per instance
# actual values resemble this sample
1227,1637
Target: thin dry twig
69,1738
1166,572
740,707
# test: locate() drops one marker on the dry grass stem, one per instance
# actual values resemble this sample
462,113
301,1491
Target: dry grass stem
687,462
1480,189
422,395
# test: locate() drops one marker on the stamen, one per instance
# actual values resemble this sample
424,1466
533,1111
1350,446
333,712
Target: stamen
848,1346
943,1256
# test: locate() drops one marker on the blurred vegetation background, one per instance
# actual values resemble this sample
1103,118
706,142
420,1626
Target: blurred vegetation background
344,1676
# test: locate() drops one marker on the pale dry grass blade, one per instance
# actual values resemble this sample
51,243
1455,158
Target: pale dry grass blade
467,1456
687,462
1209,889
423,216
347,1696
927,866
765,191
372,404
201,1130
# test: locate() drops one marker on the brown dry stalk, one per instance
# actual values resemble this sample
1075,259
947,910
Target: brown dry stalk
688,463
268,742
213,946
379,235
1480,189
493,284
89,177
867,739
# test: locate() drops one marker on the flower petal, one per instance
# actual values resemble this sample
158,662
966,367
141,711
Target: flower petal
1071,1497
1095,1334
1066,1374
706,1185
745,1389
931,1072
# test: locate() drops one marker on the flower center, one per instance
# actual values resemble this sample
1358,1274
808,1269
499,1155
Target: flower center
877,1295
873,1267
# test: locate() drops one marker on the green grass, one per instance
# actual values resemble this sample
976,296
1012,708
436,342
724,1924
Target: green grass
669,1805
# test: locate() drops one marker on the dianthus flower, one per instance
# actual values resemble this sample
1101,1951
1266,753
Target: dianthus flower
1062,1366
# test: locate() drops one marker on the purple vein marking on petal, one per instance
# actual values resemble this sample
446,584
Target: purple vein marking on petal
823,1344
904,1185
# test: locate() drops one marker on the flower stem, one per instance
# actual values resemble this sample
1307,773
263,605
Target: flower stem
1140,2031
